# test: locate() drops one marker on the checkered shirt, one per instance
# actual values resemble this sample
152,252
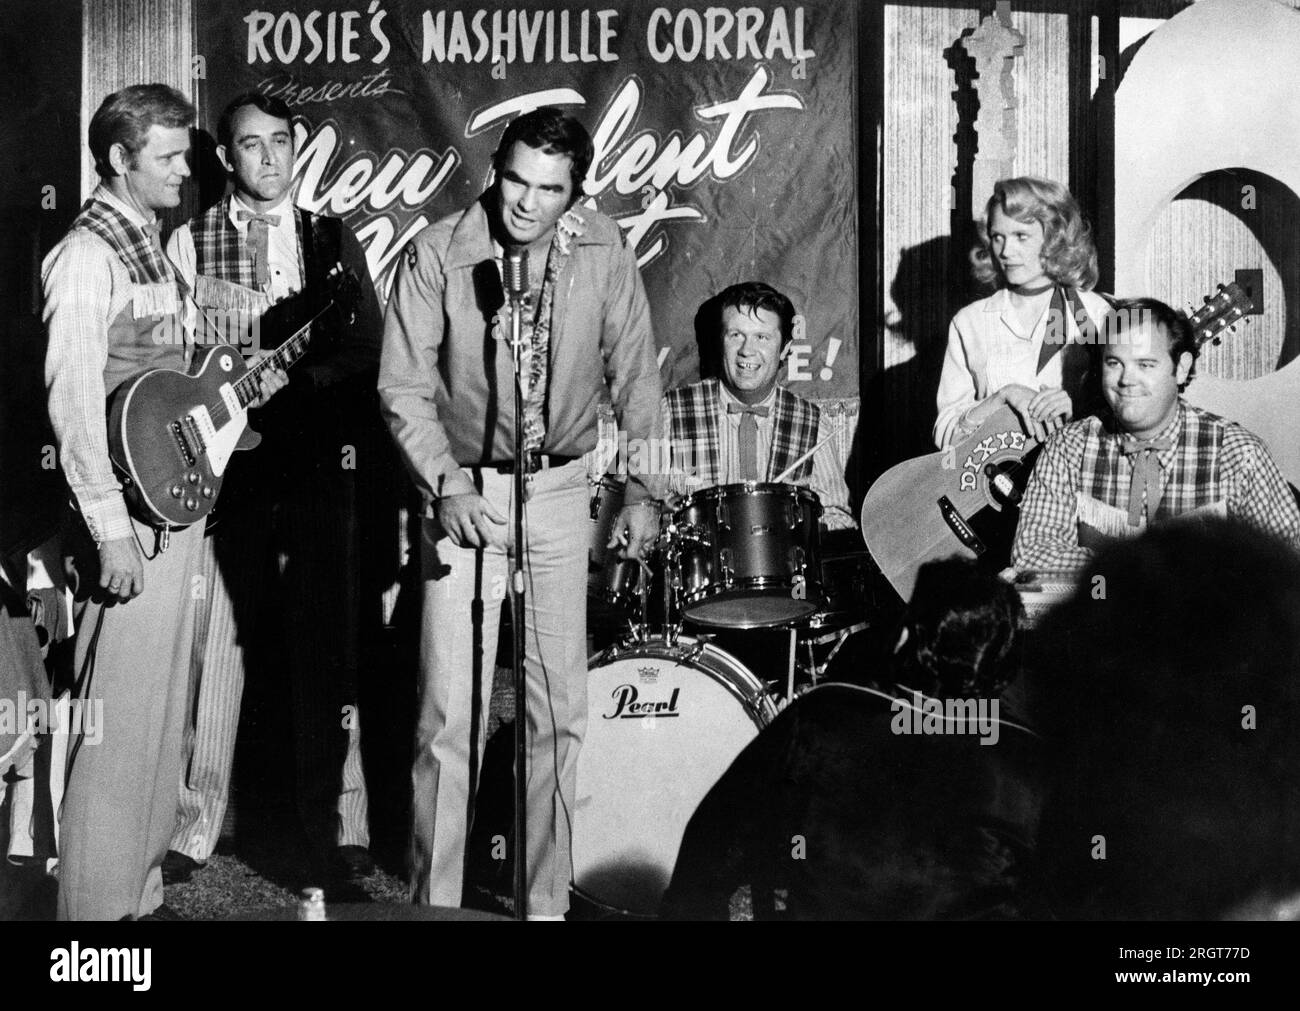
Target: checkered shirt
1210,461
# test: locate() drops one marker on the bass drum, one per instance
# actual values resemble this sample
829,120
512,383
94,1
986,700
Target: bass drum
663,724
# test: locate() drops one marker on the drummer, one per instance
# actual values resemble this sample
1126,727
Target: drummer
743,426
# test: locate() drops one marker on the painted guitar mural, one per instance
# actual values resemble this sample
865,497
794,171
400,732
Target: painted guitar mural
171,435
965,499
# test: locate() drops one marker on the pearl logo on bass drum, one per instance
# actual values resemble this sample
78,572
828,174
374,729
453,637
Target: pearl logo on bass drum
629,706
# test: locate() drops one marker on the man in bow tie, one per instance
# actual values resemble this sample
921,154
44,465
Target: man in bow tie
259,268
1151,457
743,426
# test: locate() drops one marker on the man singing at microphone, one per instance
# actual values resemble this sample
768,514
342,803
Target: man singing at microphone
445,382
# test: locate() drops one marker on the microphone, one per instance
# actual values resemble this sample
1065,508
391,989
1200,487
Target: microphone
516,273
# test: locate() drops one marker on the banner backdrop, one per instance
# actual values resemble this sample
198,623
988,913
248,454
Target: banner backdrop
724,135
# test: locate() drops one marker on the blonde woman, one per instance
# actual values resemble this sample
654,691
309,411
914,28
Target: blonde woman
1010,349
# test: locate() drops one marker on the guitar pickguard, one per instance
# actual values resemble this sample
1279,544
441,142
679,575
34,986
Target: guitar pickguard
220,444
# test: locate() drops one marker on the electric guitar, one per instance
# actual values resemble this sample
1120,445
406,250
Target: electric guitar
171,435
965,500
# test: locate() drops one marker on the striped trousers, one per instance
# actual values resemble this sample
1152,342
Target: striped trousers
320,623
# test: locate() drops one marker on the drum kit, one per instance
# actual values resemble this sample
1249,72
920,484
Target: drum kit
669,708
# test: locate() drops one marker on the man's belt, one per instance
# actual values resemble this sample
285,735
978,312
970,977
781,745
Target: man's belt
536,462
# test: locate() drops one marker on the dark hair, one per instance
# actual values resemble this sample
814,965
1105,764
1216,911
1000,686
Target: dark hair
126,116
1173,697
1128,315
268,104
553,132
962,624
751,296
1069,255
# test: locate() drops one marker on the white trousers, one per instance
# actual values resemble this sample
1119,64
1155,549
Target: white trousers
464,590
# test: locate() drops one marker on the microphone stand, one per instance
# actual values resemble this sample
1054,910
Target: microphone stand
516,272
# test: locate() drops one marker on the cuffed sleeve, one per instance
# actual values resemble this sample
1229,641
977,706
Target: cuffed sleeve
78,285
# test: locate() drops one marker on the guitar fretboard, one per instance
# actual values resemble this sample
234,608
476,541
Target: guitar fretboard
247,387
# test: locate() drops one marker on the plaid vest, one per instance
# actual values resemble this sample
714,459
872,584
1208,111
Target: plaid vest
696,442
224,264
1192,477
157,290
147,333
226,282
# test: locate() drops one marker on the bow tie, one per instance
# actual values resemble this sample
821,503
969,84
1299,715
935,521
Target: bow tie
259,242
762,412
267,219
1146,475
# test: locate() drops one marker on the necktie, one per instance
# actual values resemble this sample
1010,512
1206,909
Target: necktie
748,438
259,242
1146,476
153,229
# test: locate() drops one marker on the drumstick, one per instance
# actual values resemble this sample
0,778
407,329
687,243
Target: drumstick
795,466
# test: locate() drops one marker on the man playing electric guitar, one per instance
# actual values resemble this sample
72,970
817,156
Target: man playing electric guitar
109,293
254,259
1151,457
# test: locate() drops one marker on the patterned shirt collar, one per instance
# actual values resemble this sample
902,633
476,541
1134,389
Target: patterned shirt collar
1173,431
472,241
106,195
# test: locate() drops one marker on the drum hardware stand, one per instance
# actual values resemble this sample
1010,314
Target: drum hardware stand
789,674
840,636
640,629
516,278
672,581
814,671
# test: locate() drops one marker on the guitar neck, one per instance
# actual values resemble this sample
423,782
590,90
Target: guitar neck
247,388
